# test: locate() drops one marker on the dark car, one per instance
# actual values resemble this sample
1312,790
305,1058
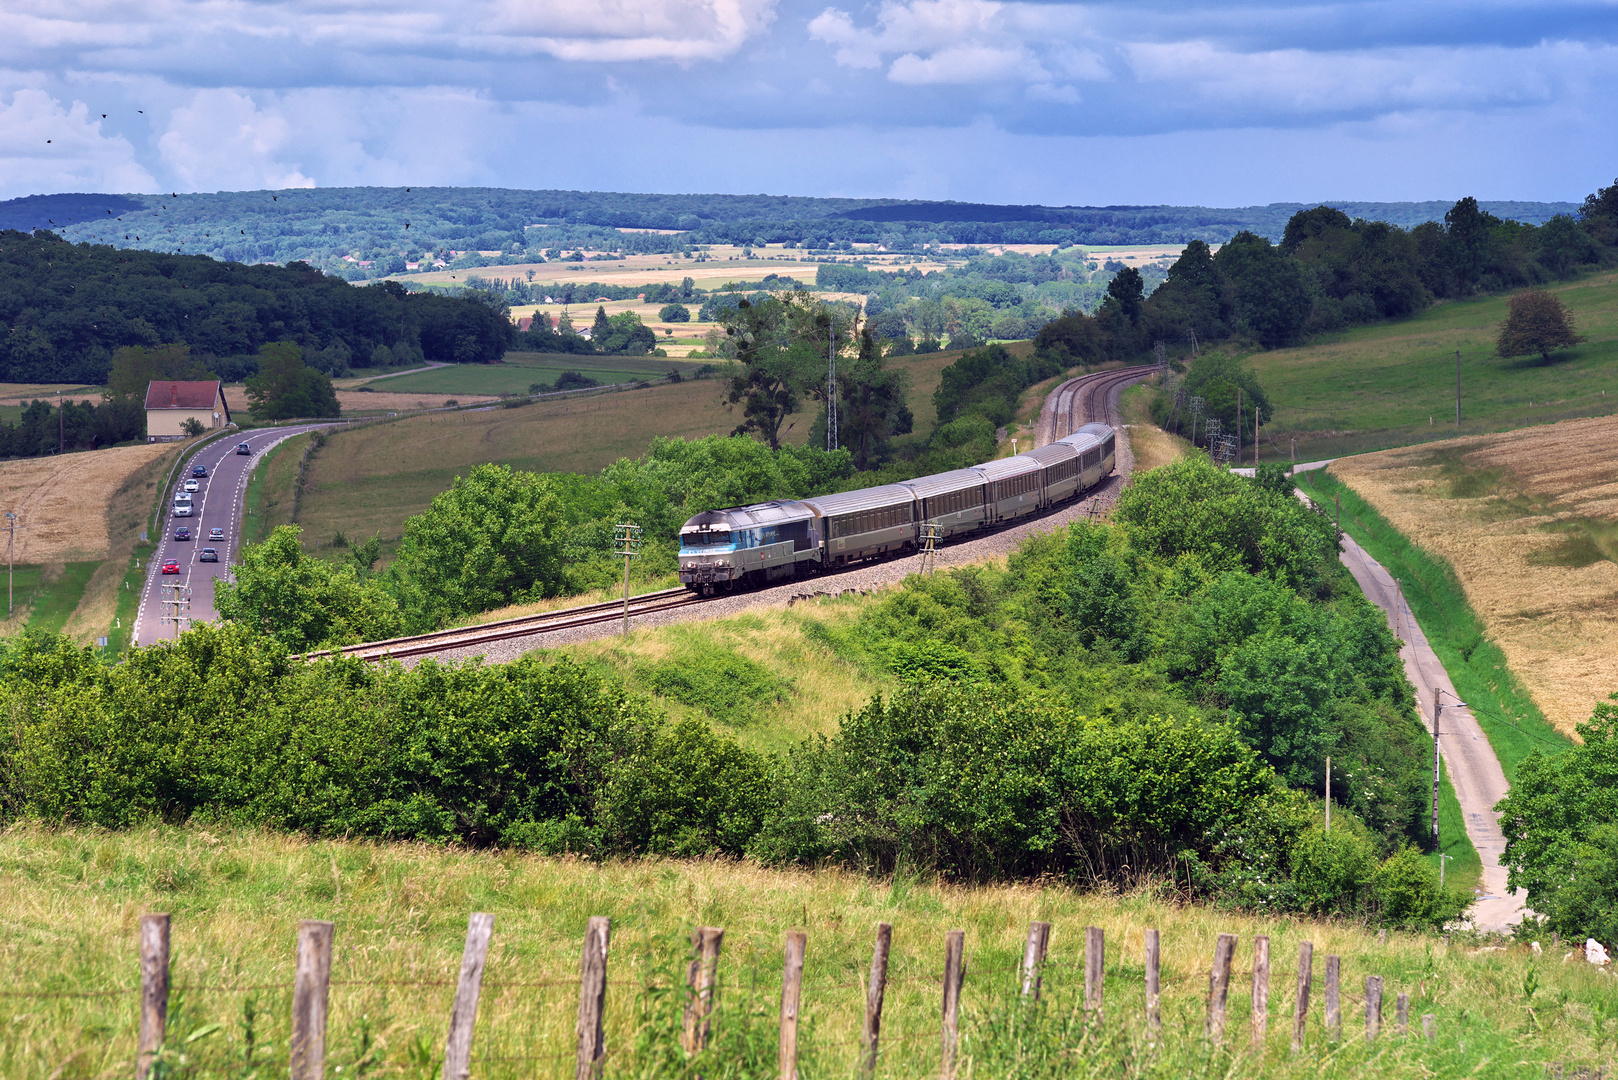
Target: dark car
171,566
199,470
182,533
243,449
208,555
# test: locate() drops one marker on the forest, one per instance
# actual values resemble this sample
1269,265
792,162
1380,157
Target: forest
66,308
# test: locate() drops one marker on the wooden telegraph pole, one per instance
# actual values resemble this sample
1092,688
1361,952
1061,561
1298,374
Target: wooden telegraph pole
1457,388
11,565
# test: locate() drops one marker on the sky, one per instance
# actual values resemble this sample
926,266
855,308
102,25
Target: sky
1230,103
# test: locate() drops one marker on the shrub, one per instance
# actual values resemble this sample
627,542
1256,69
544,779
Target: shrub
1333,871
722,683
1408,893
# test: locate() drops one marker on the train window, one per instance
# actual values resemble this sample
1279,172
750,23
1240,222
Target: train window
704,539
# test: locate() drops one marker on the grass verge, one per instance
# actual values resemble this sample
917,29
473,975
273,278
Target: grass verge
269,496
400,913
54,605
1475,664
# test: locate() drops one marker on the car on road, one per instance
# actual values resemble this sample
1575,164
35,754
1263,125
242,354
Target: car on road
182,533
182,504
216,534
243,449
192,485
208,555
171,566
199,470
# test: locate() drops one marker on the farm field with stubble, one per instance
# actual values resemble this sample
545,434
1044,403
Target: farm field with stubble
1528,519
1393,384
400,912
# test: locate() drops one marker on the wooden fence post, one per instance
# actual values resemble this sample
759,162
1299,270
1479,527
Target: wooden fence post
1429,1026
1402,1014
463,1015
1154,1003
1033,958
311,986
1334,1016
1300,1007
954,972
1219,986
874,992
1373,1007
154,990
700,978
1261,990
592,1042
1095,969
791,995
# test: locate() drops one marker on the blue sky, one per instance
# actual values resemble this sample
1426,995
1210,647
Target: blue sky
1222,104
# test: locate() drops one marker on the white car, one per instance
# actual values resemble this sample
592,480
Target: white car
192,485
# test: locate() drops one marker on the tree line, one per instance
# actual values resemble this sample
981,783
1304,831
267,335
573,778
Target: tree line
66,308
1330,271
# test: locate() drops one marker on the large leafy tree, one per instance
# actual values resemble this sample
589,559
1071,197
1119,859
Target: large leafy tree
1538,323
781,343
285,387
134,366
1560,819
303,602
1271,300
493,538
871,405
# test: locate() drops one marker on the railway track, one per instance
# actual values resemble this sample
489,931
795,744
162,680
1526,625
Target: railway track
522,626
1075,403
1084,400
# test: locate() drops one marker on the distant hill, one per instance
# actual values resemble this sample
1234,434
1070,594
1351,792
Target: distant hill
381,225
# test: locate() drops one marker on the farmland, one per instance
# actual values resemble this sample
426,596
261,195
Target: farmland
1394,383
1527,521
521,370
366,482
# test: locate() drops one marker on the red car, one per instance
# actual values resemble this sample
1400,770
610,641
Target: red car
171,566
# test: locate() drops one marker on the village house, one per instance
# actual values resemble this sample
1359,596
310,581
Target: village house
170,404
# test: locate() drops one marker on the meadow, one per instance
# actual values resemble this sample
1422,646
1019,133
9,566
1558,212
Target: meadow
1393,384
1524,523
75,897
520,370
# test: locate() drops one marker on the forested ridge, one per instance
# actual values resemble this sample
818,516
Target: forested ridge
318,224
66,308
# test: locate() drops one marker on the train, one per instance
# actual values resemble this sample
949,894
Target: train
781,539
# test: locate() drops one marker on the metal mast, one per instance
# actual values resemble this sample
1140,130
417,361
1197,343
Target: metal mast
831,382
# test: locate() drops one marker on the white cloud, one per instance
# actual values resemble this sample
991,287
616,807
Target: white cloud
634,30
48,146
223,140
966,42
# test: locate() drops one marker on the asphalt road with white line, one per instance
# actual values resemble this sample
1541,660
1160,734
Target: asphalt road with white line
218,504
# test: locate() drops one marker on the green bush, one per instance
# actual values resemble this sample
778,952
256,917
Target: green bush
1333,871
1408,893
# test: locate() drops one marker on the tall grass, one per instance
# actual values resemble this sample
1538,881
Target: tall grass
1504,709
73,900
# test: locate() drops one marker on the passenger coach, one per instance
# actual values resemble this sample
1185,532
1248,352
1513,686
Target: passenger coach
781,539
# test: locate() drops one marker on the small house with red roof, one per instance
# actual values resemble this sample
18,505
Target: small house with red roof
170,404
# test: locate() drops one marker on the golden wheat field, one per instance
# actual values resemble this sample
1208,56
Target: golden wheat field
62,501
1528,519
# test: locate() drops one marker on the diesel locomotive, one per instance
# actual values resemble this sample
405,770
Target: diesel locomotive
786,538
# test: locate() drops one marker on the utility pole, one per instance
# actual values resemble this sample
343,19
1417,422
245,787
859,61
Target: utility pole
1239,412
1457,389
931,533
1328,794
61,422
626,542
1437,709
831,381
11,566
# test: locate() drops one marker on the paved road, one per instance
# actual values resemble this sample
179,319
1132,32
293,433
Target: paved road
1474,771
217,505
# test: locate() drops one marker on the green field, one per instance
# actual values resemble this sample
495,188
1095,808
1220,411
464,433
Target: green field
400,913
519,371
1394,383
